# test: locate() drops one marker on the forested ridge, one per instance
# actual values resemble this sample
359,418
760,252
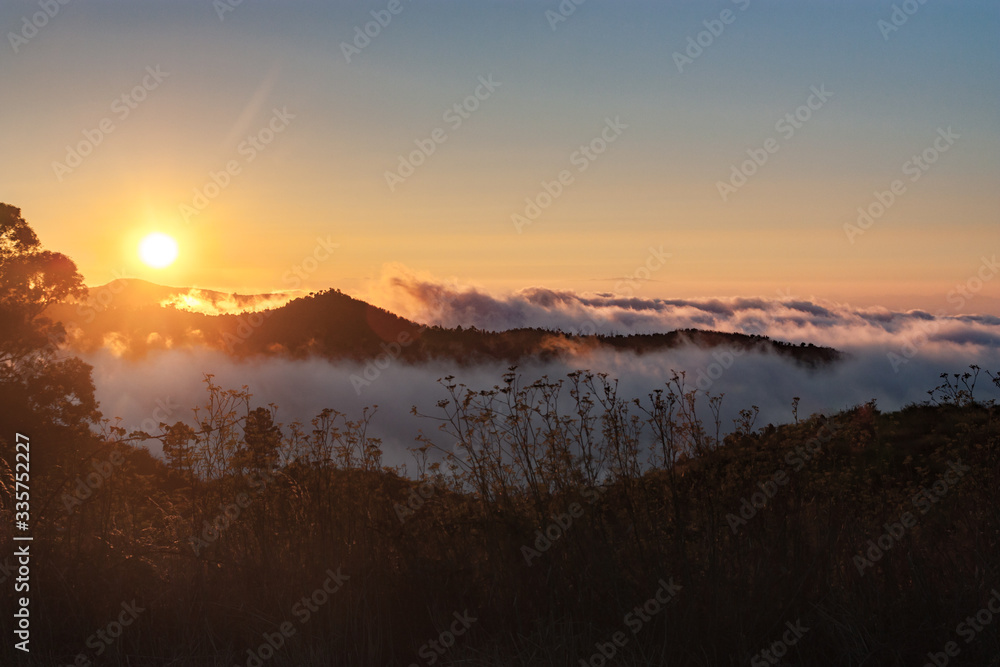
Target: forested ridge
128,314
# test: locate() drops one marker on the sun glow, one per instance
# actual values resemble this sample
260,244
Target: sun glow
158,250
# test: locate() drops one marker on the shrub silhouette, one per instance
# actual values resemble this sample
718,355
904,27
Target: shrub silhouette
245,515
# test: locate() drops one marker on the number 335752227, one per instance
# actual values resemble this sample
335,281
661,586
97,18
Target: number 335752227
23,470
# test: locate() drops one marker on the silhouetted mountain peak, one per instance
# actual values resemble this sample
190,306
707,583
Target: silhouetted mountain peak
134,317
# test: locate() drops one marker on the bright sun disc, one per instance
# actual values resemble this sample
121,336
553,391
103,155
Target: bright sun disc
158,250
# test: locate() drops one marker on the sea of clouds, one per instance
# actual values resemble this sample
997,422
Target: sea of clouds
891,357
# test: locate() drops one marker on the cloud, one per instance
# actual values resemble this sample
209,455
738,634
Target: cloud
138,390
429,301
209,302
892,357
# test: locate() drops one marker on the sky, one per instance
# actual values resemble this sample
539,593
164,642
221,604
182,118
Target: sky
667,150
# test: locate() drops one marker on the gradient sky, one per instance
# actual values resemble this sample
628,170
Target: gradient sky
656,185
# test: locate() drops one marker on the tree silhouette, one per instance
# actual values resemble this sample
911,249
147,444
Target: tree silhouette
178,449
261,440
31,279
44,394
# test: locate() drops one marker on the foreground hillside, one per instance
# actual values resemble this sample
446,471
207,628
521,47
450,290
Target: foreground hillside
603,532
127,317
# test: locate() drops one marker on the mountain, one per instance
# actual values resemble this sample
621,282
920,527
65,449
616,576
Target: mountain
136,293
134,317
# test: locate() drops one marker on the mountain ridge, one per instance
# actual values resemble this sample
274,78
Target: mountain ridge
128,317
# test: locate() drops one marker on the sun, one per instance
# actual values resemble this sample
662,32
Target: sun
158,250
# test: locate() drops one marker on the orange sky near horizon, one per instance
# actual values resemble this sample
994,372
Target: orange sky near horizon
291,147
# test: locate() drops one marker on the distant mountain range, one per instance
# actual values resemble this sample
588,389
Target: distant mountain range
134,317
